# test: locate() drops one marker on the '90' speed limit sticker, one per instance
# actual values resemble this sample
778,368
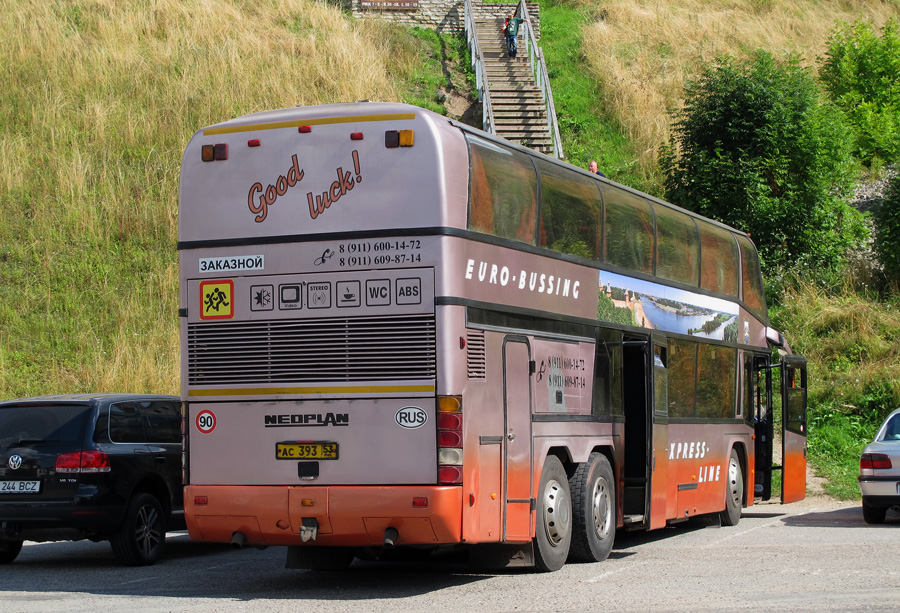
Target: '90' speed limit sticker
206,421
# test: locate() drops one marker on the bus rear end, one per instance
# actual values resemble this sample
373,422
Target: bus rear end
310,335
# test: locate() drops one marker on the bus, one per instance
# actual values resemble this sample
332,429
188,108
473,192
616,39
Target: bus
401,333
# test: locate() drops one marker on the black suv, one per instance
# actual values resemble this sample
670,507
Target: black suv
91,466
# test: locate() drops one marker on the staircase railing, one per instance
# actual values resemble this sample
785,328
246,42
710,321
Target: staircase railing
478,65
539,69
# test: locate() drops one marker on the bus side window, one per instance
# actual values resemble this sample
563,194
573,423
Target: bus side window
718,251
682,377
628,230
753,295
607,393
503,192
571,211
715,381
677,246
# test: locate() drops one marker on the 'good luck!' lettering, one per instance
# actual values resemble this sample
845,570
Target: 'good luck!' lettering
267,198
344,183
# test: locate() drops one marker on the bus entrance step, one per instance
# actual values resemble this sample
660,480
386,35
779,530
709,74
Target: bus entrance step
633,519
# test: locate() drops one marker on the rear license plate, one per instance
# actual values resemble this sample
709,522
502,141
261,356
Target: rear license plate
20,487
306,450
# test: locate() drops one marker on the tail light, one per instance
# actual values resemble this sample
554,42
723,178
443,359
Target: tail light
88,461
874,461
450,439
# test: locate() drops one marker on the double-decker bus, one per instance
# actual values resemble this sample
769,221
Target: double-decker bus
399,331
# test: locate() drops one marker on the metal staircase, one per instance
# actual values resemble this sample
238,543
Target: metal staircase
517,103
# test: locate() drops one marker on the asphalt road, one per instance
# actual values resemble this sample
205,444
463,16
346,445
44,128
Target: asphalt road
817,555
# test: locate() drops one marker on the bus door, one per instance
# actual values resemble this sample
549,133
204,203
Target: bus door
759,388
517,464
646,435
793,441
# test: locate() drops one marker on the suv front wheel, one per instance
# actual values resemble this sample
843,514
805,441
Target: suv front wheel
142,537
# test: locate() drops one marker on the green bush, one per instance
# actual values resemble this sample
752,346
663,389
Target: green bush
758,147
862,73
887,235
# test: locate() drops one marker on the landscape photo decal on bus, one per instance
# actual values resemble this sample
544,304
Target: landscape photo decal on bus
633,302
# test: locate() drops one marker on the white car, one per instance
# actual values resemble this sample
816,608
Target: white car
879,471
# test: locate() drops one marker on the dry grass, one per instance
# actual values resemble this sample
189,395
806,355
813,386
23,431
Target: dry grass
644,52
99,99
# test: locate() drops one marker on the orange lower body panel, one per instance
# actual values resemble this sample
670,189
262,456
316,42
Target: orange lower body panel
347,516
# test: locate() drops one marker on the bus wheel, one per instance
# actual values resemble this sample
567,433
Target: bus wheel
593,510
734,492
553,534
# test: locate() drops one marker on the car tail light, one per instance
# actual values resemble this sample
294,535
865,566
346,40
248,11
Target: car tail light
88,461
450,439
874,461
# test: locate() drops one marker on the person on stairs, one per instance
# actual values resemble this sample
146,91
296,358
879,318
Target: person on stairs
512,33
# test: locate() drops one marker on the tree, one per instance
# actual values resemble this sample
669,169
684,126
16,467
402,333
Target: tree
862,73
887,233
758,147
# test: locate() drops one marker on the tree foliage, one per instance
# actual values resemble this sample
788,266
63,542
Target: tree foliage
862,73
887,237
757,147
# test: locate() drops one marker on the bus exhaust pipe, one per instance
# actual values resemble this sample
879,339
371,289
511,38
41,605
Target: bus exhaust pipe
391,536
238,540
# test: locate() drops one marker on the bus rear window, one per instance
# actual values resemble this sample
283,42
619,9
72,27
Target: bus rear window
570,212
720,260
628,230
503,192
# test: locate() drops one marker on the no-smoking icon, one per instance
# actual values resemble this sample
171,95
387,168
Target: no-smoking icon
206,421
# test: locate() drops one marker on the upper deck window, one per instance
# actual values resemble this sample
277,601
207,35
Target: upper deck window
628,230
571,212
677,247
753,294
719,271
503,192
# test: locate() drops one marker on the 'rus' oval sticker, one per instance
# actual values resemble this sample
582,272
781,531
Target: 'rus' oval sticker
411,417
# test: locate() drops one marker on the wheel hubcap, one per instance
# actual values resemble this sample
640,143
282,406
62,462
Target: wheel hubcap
147,534
556,513
601,508
733,481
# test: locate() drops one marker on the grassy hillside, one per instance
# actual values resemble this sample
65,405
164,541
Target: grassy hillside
99,99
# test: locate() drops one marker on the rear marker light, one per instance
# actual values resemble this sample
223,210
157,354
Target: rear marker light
83,462
392,139
220,151
206,153
201,500
253,142
304,129
875,461
420,503
406,138
356,136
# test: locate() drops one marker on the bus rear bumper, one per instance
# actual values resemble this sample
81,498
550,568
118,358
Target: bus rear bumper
345,516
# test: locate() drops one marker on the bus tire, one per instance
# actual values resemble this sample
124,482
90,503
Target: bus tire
553,533
734,491
141,539
593,510
9,550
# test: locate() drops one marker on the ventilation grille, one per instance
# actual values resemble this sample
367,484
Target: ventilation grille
475,354
320,350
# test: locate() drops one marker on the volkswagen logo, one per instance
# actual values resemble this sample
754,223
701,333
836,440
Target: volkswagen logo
15,461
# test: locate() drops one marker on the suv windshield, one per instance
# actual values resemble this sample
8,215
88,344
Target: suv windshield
36,424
